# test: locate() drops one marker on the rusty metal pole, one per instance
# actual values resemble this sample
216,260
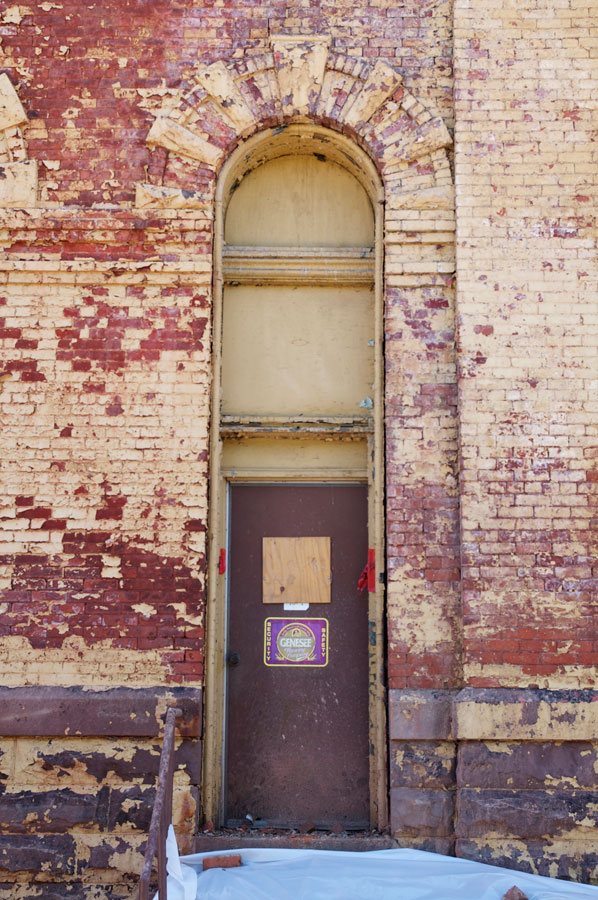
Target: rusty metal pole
162,812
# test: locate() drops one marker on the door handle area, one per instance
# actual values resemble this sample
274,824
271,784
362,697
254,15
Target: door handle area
233,658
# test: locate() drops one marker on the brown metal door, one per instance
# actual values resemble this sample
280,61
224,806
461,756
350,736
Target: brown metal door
297,740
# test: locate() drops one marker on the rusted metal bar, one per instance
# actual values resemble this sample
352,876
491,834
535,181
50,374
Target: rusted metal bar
161,813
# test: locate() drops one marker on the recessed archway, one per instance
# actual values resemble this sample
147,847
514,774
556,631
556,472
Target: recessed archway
334,281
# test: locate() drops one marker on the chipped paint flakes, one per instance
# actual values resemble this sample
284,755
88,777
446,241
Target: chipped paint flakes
14,15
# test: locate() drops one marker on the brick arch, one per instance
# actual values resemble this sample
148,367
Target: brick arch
301,80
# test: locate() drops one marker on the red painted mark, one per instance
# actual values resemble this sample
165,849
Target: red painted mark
371,571
367,579
222,562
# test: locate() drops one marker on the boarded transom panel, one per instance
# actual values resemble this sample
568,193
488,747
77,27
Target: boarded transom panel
300,201
295,454
297,350
296,570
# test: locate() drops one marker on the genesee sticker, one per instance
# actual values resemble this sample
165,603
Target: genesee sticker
295,642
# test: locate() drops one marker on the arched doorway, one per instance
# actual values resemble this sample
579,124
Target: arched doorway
297,482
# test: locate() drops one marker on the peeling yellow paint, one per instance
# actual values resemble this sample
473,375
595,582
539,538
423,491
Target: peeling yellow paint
76,663
511,675
500,747
14,15
526,718
145,609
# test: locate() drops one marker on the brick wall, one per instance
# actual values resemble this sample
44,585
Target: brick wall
525,172
105,403
105,329
528,358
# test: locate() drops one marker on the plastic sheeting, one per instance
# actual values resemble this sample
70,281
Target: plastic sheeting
338,875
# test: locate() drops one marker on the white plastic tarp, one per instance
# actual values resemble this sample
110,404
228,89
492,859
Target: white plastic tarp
338,875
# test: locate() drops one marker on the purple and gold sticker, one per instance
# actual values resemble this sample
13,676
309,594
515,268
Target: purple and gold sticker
295,642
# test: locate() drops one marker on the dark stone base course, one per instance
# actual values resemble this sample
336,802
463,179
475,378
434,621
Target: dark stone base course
444,846
421,813
142,767
56,853
60,811
526,765
422,764
45,851
523,798
576,864
75,891
525,814
122,712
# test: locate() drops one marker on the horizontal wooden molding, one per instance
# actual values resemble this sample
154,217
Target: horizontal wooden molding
231,426
298,265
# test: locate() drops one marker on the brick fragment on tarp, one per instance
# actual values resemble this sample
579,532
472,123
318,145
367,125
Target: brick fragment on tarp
514,893
225,861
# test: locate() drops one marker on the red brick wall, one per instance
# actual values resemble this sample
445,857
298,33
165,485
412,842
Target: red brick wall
106,318
105,329
90,75
108,373
105,405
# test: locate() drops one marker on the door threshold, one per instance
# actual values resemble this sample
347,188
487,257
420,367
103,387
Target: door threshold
291,839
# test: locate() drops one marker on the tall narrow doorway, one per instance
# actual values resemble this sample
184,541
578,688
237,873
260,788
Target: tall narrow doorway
299,351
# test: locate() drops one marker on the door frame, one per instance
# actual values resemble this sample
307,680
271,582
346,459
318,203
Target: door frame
247,156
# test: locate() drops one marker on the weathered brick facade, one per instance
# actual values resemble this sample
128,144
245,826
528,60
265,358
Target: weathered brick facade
115,120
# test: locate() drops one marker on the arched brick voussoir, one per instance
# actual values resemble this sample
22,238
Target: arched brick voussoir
300,63
239,97
403,130
343,78
381,83
218,81
258,84
18,175
177,138
434,135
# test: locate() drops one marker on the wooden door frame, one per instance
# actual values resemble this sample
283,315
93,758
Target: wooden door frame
256,150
